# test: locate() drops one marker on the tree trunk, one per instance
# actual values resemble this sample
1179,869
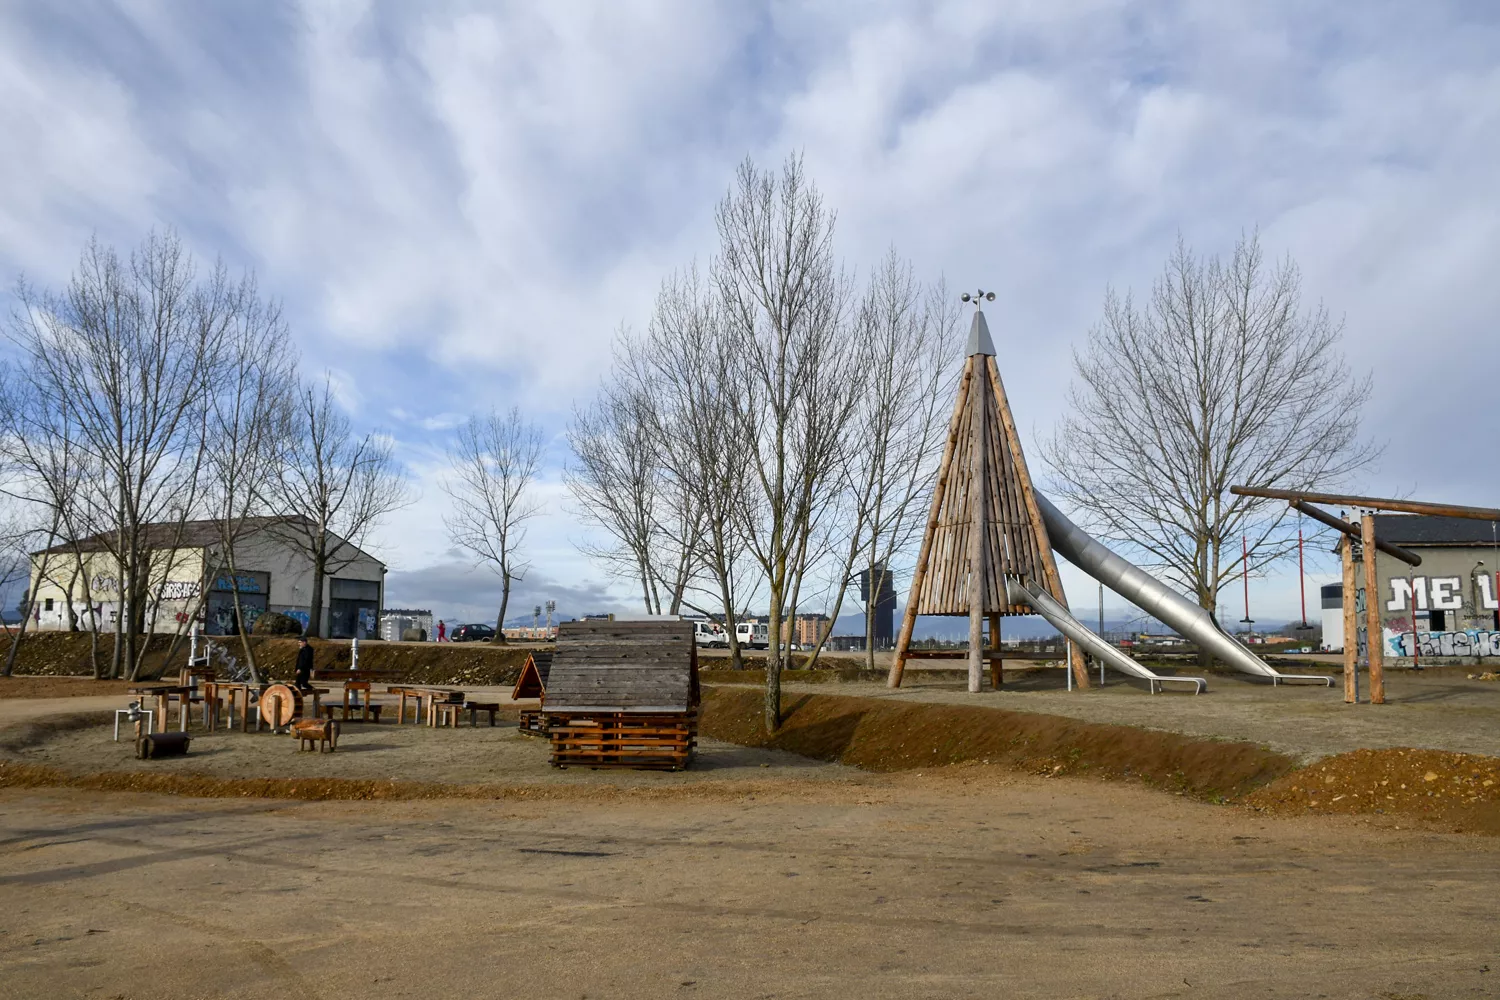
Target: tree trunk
315,605
504,601
15,643
239,618
773,667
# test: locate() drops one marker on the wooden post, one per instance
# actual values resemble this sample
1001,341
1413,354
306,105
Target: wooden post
1351,626
997,658
919,575
1053,581
1373,636
978,549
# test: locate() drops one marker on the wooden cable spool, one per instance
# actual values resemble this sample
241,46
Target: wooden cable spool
279,705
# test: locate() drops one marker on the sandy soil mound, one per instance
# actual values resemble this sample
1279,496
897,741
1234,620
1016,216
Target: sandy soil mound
1456,791
58,687
891,736
470,664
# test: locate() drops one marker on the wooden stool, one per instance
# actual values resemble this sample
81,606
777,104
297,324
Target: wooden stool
445,712
315,734
475,707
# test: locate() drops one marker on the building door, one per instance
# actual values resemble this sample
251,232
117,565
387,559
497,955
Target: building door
353,609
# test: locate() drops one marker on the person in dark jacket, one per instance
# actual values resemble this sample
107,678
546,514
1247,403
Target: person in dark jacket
304,663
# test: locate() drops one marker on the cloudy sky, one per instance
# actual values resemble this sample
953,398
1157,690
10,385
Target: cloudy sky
459,203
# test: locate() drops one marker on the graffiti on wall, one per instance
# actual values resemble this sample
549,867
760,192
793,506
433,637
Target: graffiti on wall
1472,642
1440,593
179,590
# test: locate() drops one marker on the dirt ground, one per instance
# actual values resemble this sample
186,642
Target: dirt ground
757,874
387,752
969,882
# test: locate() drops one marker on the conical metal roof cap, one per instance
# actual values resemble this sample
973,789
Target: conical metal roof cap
979,336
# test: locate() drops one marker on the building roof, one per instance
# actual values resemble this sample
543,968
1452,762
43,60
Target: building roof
1426,529
187,535
615,666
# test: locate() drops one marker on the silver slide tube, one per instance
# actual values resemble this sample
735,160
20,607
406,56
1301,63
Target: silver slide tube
1154,597
1061,619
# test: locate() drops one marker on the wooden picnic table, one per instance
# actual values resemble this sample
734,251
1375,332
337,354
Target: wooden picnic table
163,693
417,693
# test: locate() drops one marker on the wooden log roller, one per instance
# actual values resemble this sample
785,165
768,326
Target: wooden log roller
279,704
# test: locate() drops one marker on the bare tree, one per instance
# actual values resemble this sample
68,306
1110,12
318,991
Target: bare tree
494,462
904,339
686,371
117,366
331,488
251,407
1221,377
619,481
784,301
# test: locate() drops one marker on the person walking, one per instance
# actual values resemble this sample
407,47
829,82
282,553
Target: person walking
304,663
442,631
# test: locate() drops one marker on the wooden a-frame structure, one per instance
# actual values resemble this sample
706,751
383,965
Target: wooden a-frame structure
984,523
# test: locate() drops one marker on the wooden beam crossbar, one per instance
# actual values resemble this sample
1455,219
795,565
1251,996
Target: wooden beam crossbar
1372,503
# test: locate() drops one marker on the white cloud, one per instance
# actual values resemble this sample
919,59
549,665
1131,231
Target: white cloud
461,202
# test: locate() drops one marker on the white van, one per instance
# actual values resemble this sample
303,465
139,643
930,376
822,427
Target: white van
753,635
710,634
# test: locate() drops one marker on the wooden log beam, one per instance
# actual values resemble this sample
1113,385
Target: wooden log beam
1338,524
1374,503
1373,640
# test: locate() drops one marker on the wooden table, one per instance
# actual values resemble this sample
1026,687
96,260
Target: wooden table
417,694
163,693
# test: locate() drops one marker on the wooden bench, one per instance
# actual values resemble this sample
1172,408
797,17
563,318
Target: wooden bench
374,713
316,734
475,707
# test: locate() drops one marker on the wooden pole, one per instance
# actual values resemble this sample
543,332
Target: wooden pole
919,576
1351,626
1053,581
1338,524
1374,642
997,659
978,550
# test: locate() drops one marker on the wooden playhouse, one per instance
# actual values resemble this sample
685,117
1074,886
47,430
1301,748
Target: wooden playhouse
533,684
623,694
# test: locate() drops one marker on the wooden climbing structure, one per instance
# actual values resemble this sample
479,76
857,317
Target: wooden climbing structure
984,524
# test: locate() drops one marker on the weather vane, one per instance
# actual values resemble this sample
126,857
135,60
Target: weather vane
979,298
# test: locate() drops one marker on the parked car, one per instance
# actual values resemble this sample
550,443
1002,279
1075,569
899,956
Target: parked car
472,633
710,634
753,635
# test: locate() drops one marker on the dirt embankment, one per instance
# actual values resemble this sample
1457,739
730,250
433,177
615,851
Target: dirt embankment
57,654
1456,791
897,736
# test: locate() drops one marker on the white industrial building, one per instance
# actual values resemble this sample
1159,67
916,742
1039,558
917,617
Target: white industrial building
190,582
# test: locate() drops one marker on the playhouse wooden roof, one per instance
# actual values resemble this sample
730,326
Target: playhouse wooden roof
533,680
624,666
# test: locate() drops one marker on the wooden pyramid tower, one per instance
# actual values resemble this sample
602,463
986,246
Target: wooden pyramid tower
984,525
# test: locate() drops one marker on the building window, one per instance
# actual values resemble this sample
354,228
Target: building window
1437,621
47,605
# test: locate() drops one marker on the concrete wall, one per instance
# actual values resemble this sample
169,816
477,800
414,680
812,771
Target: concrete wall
1445,609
